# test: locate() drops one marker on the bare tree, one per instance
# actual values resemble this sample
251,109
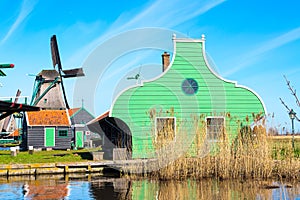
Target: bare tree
293,91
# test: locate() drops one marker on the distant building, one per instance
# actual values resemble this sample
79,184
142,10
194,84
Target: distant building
47,129
82,136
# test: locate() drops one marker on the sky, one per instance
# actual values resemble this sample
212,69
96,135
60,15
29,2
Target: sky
252,42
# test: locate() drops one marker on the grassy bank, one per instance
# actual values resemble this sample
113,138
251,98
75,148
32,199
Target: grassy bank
46,156
282,145
252,155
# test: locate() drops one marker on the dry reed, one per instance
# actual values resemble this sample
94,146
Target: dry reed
191,154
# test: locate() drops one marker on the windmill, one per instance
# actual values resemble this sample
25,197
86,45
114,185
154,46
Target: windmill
49,87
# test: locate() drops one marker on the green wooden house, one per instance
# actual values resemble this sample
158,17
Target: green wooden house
186,94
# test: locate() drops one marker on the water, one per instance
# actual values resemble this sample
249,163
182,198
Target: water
86,187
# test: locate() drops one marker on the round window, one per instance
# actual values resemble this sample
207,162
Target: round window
189,86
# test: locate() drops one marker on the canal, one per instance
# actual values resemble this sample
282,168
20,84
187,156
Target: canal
99,187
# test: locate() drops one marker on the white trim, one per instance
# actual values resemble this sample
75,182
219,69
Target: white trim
171,63
45,136
188,40
27,121
155,126
214,117
78,126
69,119
229,81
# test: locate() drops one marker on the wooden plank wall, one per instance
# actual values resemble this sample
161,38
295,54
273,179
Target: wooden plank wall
35,138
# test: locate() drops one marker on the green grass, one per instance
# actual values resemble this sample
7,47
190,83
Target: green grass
46,156
282,147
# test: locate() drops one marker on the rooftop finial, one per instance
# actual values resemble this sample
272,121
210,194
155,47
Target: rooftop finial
203,37
174,36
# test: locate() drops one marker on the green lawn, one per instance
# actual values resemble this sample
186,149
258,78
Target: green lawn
282,147
46,156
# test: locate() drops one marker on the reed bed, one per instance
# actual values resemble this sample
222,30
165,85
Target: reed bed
251,155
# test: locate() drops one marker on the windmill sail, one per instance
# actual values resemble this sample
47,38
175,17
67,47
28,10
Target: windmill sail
55,53
56,61
70,73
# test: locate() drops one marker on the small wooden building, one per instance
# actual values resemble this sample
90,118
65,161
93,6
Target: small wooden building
114,136
82,136
47,129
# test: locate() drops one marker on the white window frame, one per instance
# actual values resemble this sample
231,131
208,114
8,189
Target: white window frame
213,117
175,126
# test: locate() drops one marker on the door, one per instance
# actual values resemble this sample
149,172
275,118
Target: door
79,139
49,137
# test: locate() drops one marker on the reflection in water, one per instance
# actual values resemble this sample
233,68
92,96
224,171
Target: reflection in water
91,187
213,189
45,189
118,188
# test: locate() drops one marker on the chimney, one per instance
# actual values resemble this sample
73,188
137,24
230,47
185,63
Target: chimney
165,61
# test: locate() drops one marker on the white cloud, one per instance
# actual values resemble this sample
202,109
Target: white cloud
158,14
26,9
255,55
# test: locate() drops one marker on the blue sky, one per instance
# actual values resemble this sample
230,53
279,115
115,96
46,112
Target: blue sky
252,42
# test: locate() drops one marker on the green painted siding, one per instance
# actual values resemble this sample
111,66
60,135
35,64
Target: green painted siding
215,97
144,190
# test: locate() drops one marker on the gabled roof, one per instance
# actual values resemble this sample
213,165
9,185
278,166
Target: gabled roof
48,118
94,126
100,117
73,111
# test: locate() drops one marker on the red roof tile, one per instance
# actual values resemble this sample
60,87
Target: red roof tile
102,116
72,111
48,118
16,133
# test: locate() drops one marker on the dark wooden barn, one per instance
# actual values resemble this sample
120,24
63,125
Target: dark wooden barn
47,129
117,141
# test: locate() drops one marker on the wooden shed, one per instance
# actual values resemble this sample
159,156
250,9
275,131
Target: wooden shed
82,136
188,93
47,129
